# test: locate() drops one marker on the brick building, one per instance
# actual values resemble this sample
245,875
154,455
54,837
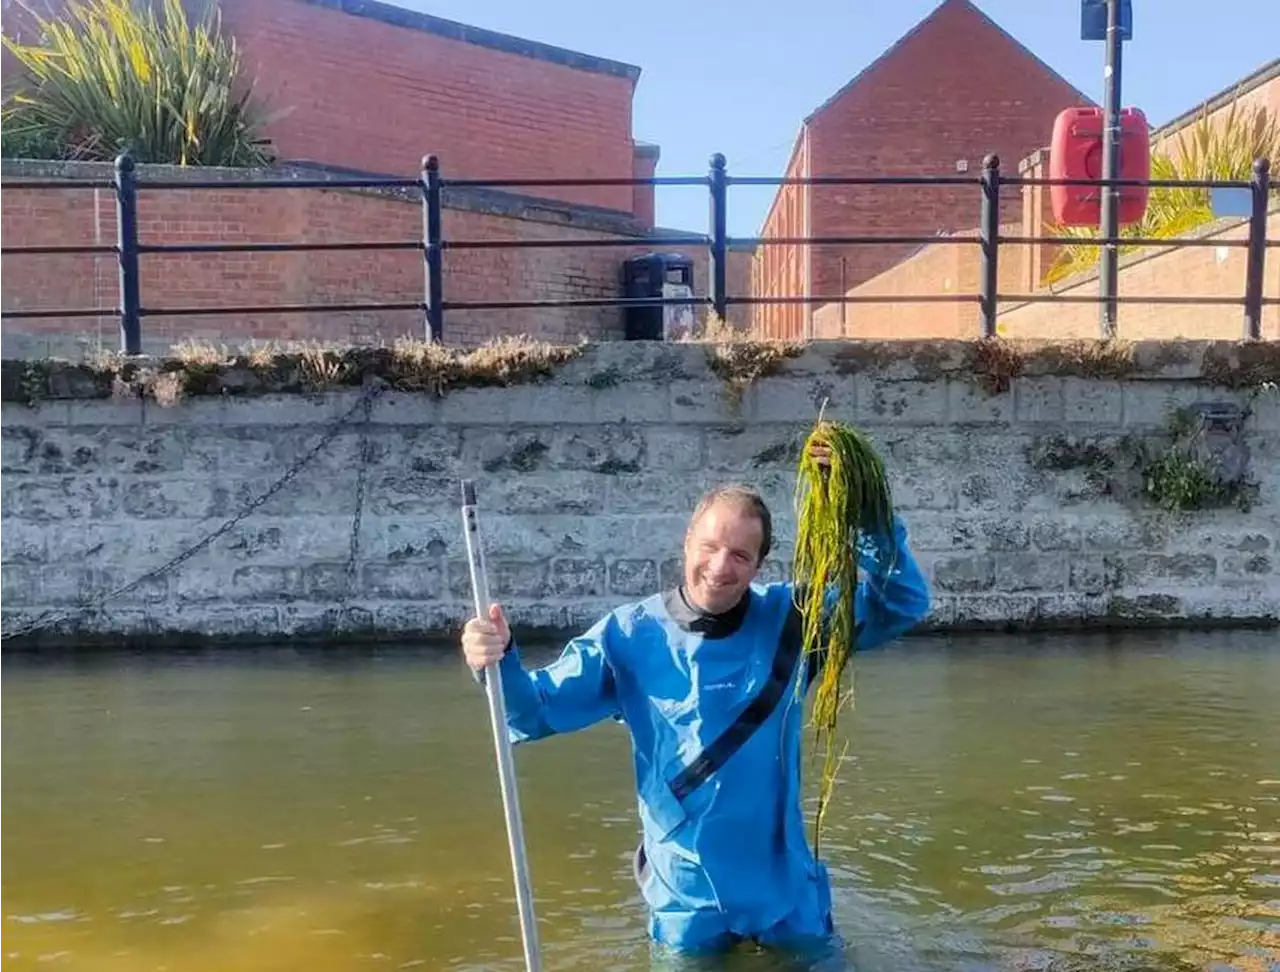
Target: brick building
952,89
489,104
1187,273
373,87
370,87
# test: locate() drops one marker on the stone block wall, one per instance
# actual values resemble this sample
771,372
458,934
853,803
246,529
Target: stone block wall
1020,478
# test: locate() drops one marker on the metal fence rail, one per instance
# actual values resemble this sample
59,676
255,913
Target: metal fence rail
433,244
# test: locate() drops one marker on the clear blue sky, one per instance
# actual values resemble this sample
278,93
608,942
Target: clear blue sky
738,76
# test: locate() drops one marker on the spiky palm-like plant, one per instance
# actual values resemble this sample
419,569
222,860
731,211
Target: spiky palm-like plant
109,76
1222,150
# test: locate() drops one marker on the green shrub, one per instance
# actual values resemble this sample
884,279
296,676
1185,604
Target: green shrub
109,76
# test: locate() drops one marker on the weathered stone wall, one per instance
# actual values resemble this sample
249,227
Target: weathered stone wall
1022,491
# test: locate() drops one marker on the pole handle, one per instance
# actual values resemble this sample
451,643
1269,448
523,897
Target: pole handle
501,742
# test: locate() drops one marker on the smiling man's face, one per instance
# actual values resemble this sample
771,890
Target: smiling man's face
722,554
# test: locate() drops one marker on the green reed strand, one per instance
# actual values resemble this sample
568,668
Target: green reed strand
833,505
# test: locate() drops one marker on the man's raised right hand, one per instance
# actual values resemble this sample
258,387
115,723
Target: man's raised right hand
484,641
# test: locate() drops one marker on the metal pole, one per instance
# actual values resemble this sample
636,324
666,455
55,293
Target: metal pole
127,255
1109,268
502,742
719,232
433,248
989,232
1257,252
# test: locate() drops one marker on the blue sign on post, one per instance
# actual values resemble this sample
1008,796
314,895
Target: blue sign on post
1225,202
1093,20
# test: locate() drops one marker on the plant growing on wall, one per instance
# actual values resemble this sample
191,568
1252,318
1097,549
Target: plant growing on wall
109,76
1205,462
1206,150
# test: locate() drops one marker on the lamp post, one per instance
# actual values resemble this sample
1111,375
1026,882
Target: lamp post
1110,21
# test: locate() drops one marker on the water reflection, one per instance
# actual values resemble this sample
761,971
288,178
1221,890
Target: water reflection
1015,804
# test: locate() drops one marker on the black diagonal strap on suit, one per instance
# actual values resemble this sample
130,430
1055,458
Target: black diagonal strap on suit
757,712
752,717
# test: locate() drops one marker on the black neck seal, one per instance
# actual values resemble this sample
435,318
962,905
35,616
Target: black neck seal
689,617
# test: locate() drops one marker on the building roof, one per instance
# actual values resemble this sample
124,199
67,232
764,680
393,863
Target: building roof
893,48
396,16
1249,82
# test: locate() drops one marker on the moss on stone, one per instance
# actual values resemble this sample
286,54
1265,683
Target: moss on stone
995,362
1244,364
525,457
31,382
616,467
609,377
927,360
778,453
200,370
196,369
994,365
740,356
1143,607
1061,452
739,364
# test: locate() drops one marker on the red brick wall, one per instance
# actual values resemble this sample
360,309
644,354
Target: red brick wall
373,96
359,93
956,87
740,264
644,164
938,269
778,270
70,217
950,269
1189,272
1037,219
1185,272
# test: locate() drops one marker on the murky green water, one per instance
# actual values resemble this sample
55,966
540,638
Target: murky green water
1010,804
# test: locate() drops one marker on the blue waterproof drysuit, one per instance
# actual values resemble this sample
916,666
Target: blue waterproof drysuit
724,856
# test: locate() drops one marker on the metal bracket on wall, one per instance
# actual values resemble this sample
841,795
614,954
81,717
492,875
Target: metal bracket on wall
1216,438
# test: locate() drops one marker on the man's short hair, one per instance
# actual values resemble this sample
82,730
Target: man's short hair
745,497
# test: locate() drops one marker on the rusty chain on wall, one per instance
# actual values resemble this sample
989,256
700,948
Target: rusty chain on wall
362,477
91,606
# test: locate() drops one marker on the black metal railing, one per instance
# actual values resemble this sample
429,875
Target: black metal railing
433,244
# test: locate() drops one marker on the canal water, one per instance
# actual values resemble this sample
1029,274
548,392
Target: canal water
1010,803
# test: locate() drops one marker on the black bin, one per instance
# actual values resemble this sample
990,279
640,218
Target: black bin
643,276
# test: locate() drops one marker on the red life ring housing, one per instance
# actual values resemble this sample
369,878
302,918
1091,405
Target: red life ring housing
1076,153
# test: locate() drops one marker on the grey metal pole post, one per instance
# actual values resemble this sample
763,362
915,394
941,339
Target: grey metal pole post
1109,268
719,233
433,244
1260,188
989,231
127,255
501,741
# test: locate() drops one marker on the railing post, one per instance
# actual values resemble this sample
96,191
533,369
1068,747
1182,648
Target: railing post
1109,258
433,249
719,294
1260,185
989,233
127,255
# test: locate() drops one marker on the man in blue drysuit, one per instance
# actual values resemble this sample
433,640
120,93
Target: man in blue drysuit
705,678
